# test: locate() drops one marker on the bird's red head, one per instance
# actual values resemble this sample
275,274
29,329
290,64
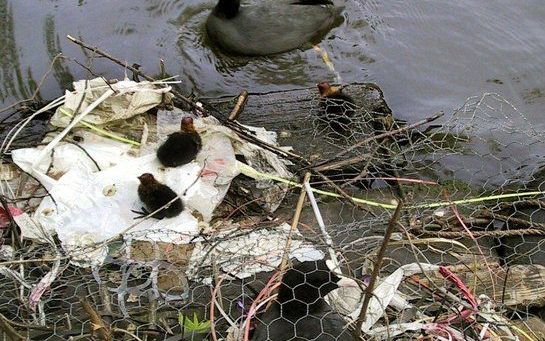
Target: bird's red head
187,124
147,179
323,88
327,89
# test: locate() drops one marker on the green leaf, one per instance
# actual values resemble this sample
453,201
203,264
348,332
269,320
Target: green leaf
193,325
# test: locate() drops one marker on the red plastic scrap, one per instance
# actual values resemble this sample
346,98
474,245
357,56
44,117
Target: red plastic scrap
449,275
4,217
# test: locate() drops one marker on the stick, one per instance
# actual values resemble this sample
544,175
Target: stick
376,269
294,223
96,321
239,106
327,238
344,194
119,330
495,234
512,220
342,163
380,136
9,330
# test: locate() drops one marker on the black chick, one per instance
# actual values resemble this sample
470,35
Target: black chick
180,147
336,107
300,311
155,195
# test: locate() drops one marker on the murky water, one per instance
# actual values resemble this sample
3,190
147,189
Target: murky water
426,55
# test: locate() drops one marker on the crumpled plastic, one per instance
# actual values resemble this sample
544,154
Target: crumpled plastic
348,301
246,254
136,99
265,161
93,192
92,206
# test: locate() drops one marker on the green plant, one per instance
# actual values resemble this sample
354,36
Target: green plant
193,325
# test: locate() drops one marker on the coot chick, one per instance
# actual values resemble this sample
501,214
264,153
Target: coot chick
300,311
271,26
180,147
155,195
336,107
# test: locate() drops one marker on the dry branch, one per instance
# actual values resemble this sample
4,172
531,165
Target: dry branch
96,321
376,269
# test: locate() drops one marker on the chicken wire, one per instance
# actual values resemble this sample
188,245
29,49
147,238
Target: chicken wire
471,186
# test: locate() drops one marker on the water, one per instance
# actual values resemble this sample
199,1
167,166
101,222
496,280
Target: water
425,55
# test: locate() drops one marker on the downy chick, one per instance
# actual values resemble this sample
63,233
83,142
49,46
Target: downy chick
180,147
155,195
336,107
300,311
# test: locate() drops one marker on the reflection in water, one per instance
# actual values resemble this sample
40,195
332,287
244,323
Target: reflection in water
158,8
52,41
12,82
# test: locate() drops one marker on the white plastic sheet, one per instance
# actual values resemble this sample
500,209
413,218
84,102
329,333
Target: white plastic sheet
348,301
92,206
132,99
256,251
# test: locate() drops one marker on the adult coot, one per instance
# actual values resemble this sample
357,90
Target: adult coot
271,26
180,147
300,311
155,195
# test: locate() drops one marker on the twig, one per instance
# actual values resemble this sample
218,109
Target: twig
380,136
522,204
344,194
86,153
365,171
239,106
459,217
96,321
97,51
9,330
504,285
152,316
376,269
294,223
342,163
321,224
507,219
162,73
119,330
495,234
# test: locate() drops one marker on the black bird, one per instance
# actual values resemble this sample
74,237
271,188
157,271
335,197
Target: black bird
155,195
300,311
271,26
336,107
180,147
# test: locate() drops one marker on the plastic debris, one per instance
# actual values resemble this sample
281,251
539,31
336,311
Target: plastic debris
132,99
256,251
93,185
348,301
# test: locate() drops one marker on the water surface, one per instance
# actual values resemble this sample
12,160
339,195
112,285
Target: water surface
426,55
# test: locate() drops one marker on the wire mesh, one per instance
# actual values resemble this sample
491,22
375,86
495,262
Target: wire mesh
471,183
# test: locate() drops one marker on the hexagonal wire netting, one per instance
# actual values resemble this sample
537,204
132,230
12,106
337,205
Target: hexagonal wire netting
465,259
